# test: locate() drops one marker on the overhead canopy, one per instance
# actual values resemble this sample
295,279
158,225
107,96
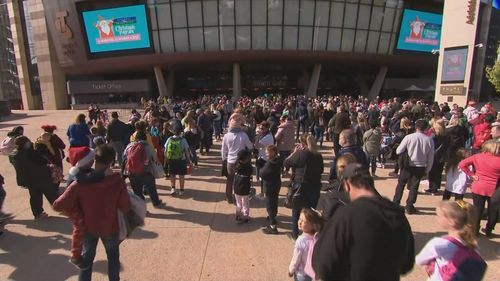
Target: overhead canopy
417,85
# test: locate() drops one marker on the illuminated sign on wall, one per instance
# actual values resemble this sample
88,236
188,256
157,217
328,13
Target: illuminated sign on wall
454,64
420,31
117,29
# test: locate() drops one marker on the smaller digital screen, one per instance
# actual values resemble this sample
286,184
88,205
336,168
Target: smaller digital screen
117,29
454,65
420,31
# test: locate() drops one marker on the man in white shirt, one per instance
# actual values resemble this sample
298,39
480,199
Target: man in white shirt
264,139
420,150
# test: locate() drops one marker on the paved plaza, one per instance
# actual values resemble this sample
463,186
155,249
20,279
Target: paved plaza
194,238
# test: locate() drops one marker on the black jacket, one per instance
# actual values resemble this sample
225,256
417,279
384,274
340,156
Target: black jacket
369,239
308,167
117,131
31,168
271,174
242,176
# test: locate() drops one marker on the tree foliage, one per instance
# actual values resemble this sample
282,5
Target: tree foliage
493,72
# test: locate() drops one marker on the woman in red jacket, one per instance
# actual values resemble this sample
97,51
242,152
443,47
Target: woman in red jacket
487,172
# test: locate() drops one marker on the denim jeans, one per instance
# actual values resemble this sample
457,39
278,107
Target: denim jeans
318,134
147,181
372,161
119,147
194,157
111,245
411,176
2,196
303,125
311,195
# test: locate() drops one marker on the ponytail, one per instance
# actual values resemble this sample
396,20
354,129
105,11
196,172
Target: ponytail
468,232
464,217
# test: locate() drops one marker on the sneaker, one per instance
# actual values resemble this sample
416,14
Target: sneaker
77,262
411,210
487,232
291,236
270,230
393,174
243,220
260,196
160,205
172,191
379,165
431,191
41,216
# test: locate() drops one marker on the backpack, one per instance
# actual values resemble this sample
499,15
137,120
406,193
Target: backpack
7,145
136,159
466,264
174,149
308,269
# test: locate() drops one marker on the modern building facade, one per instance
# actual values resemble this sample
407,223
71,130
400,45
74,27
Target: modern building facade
237,47
9,83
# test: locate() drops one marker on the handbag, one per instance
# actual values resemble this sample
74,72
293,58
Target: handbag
55,173
158,171
294,197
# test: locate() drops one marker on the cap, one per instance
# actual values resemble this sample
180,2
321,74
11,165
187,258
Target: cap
79,157
354,170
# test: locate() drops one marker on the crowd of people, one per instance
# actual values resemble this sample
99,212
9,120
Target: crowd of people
352,233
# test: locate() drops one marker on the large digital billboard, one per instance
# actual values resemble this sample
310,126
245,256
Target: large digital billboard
454,64
117,29
420,31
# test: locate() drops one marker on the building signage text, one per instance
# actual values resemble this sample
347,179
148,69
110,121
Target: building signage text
471,11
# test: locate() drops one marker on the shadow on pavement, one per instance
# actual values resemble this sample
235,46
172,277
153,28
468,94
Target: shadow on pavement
217,221
51,224
34,258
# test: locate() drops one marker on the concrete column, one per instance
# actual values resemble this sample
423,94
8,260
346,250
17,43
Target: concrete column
236,81
377,84
160,81
52,78
18,36
313,82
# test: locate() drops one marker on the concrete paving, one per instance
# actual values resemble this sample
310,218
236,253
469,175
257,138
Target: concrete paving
194,238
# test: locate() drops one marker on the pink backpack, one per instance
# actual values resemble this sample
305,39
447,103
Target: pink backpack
308,268
466,264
